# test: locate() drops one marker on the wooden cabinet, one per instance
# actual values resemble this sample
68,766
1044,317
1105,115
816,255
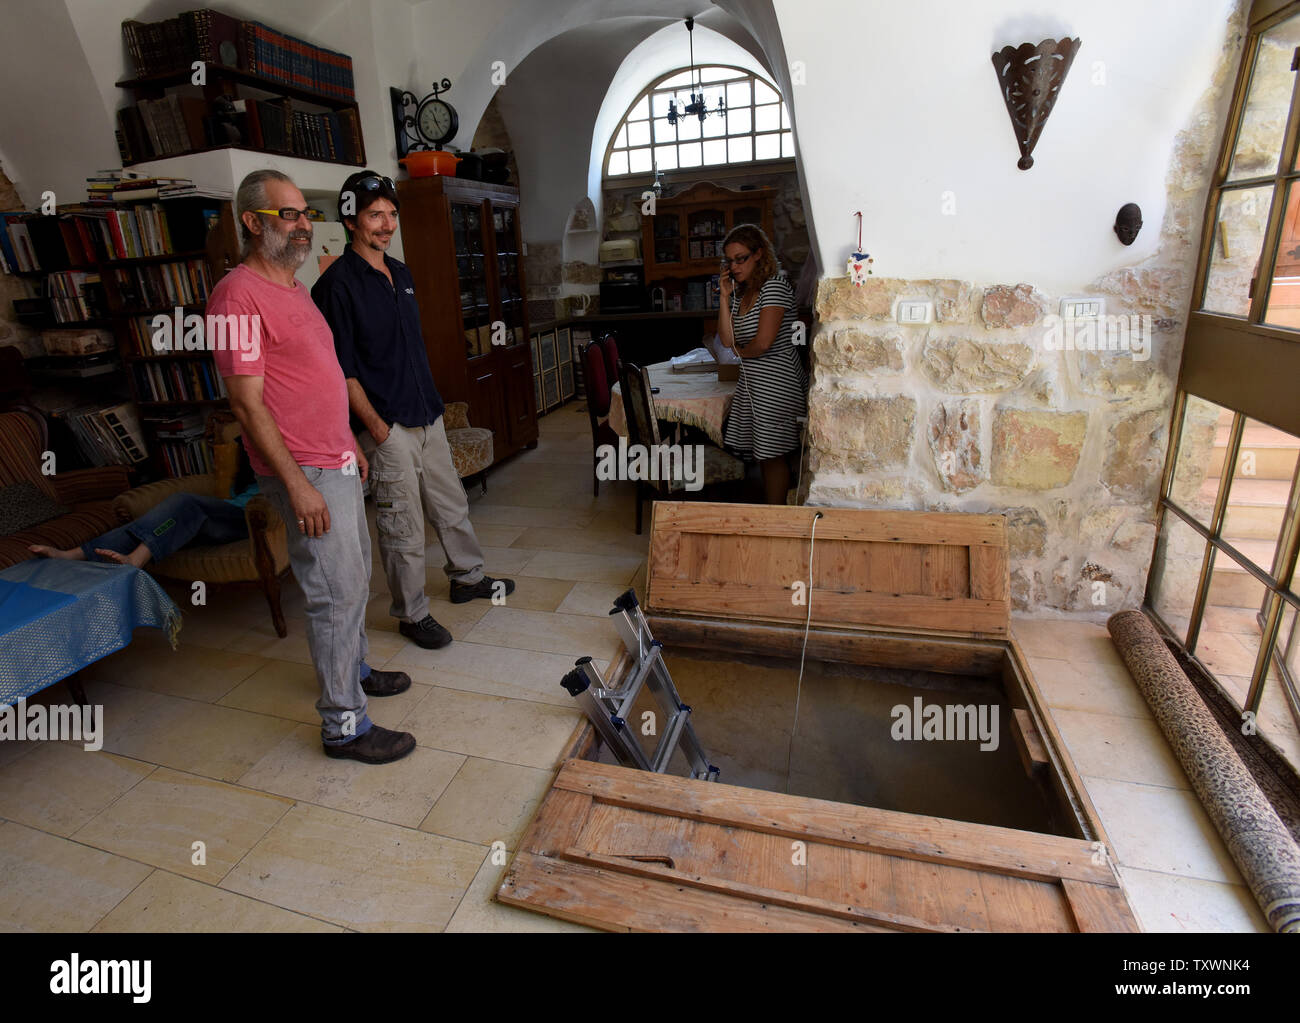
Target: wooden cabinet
684,237
461,240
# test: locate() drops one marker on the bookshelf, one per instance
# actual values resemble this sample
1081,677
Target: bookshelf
140,258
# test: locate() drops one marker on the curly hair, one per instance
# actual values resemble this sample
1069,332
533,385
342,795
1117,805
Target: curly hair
752,237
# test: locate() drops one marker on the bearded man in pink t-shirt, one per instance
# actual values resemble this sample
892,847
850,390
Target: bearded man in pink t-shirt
288,392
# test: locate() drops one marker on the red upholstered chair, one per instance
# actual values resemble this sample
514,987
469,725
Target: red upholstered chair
598,385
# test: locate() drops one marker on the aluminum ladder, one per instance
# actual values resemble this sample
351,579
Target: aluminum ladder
608,708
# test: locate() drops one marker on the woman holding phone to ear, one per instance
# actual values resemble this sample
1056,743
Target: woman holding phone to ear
756,318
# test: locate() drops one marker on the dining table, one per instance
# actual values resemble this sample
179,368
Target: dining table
697,399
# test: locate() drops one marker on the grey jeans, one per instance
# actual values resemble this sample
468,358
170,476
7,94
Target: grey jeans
334,573
413,478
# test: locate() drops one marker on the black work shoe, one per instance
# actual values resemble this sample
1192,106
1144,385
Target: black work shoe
378,745
385,683
426,633
462,593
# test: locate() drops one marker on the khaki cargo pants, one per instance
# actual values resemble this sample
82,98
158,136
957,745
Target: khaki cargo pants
412,478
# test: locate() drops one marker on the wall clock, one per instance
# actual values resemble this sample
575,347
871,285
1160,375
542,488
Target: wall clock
428,124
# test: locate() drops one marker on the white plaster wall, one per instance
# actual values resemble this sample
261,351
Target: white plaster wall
901,105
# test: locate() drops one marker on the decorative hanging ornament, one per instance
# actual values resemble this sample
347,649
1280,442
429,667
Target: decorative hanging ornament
859,264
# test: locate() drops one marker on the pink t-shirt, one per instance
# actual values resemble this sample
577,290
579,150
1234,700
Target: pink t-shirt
303,386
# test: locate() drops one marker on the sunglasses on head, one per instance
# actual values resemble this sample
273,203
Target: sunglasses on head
376,183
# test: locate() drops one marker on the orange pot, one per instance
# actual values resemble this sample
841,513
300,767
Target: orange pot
425,163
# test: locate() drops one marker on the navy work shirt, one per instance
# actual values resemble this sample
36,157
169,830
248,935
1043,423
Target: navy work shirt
377,338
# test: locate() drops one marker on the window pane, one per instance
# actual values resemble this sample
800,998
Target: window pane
767,118
642,109
715,126
787,143
688,154
620,140
739,122
740,150
665,132
785,116
660,103
1200,458
618,162
638,160
1175,571
638,133
1263,122
1228,642
1261,484
666,157
1235,249
715,151
767,147
682,78
738,94
764,93
720,74
688,128
1283,308
1277,723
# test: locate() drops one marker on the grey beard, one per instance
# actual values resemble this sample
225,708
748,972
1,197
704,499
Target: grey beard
277,250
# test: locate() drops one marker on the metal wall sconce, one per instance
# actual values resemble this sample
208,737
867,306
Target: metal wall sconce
1030,77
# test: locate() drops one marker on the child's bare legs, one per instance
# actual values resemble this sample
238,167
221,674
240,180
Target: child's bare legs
73,554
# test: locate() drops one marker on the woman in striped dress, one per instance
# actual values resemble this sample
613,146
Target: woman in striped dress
756,318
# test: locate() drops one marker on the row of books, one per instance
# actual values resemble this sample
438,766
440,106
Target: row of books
154,128
75,295
296,62
108,434
186,457
274,125
179,380
165,47
183,282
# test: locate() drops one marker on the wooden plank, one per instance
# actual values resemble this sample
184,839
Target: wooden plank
767,896
1098,908
558,822
772,602
1033,754
1021,905
615,900
1022,853
954,655
989,573
958,529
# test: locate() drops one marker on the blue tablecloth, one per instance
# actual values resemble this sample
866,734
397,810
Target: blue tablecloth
58,616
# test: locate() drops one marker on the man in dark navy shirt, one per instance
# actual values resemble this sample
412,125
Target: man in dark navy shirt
369,300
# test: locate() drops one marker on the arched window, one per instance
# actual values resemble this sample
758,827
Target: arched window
756,125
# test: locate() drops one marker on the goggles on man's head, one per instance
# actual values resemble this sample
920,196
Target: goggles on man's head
376,183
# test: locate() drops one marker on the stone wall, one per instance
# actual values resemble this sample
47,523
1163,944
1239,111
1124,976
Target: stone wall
983,411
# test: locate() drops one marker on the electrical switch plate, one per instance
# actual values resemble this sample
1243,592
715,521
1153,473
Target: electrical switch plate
913,311
1081,308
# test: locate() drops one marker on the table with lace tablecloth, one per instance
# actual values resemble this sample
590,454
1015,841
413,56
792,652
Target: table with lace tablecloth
694,399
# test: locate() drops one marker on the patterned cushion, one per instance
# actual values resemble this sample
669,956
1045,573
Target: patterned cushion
23,505
719,467
471,450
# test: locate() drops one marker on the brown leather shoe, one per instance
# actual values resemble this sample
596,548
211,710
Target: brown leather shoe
385,683
378,745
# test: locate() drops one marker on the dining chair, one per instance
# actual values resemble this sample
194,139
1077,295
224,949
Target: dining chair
598,384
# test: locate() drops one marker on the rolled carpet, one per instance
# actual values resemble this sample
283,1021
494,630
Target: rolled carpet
1257,840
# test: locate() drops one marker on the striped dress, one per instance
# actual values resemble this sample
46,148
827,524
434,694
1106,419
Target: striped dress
773,387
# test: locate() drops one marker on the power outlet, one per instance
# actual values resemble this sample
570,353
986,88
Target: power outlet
915,311
1081,308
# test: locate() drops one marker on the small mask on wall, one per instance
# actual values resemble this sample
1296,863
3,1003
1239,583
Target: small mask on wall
1128,222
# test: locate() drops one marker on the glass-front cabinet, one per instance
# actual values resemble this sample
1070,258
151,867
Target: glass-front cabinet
684,237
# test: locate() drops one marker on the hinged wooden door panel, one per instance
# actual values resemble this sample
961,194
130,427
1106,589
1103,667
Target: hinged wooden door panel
936,572
630,850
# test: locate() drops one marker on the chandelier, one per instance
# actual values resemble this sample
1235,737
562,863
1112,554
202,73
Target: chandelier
698,106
